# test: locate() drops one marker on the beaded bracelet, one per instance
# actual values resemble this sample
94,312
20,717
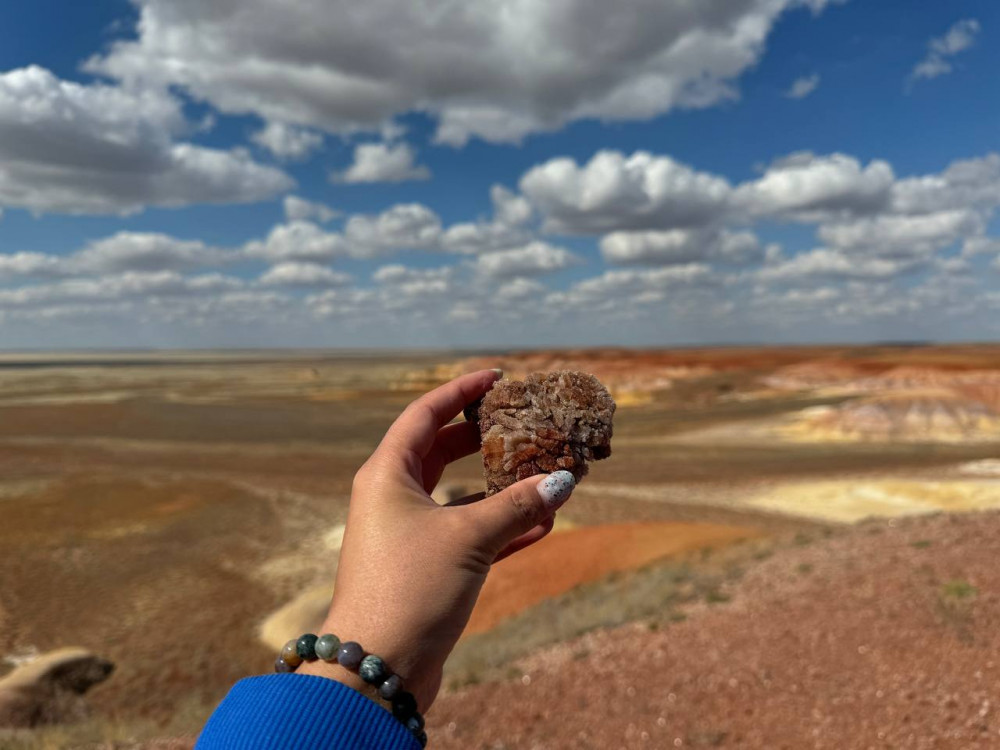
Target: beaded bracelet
369,667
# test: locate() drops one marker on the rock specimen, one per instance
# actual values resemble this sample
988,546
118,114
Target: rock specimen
551,421
49,690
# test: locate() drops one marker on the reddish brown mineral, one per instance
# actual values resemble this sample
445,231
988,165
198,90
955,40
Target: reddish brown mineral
551,421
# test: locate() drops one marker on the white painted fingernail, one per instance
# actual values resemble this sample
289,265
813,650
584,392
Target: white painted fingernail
556,488
498,371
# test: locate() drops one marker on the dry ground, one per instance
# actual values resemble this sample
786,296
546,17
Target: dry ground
147,501
885,636
570,558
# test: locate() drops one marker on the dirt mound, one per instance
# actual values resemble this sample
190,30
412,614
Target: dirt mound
929,414
814,375
983,391
912,377
987,467
870,377
569,558
630,376
884,636
49,689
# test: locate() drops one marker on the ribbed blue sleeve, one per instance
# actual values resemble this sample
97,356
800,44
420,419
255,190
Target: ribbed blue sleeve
292,712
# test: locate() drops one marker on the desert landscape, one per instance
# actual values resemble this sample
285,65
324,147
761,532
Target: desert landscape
796,544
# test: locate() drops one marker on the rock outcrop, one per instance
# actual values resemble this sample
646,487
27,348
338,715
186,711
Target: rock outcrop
927,415
50,689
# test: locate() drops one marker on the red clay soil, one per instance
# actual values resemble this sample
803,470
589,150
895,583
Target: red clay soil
884,637
566,559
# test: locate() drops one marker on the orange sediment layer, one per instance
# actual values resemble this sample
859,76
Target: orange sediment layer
568,559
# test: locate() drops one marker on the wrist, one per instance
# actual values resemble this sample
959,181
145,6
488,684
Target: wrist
348,663
401,656
333,671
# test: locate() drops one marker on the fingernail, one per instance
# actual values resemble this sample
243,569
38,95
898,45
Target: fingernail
556,488
498,371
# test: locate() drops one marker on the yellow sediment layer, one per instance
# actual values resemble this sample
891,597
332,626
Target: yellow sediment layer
304,614
625,398
849,501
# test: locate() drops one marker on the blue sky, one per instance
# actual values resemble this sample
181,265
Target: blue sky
296,173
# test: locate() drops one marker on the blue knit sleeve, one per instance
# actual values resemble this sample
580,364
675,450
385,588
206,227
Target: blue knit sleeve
293,712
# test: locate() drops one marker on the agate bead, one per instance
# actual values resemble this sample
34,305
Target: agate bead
327,647
392,685
350,655
306,646
373,670
290,654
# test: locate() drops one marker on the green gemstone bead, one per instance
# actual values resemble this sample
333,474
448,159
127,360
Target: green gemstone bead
306,646
327,647
290,654
373,670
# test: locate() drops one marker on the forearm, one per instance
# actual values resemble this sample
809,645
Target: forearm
296,712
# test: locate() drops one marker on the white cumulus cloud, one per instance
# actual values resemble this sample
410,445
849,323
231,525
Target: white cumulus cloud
144,251
810,187
496,70
299,274
825,264
534,258
382,162
615,191
74,148
287,141
299,209
676,246
298,241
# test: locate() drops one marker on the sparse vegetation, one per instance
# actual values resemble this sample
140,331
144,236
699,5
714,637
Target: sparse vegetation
713,738
654,592
955,600
714,596
958,591
921,544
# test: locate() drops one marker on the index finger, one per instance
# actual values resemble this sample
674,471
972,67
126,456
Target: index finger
416,428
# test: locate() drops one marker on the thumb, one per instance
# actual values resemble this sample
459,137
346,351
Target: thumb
503,517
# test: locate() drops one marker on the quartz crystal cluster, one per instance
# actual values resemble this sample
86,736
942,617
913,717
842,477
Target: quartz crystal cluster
550,421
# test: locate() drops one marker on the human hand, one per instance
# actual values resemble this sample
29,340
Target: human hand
411,570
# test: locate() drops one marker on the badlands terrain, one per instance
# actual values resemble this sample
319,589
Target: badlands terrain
790,547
